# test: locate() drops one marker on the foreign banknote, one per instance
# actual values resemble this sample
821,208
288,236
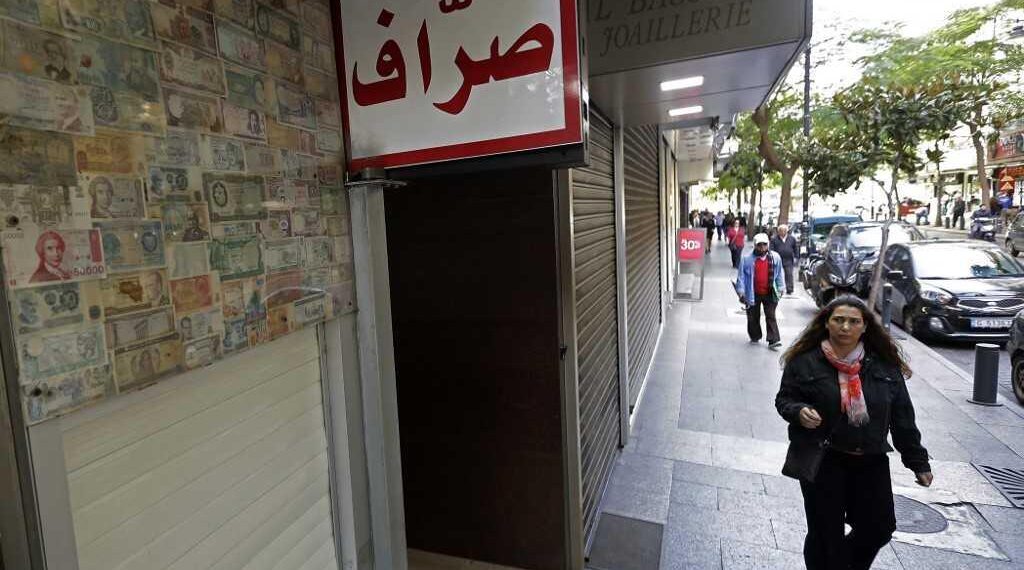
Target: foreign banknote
328,113
329,141
122,20
258,332
43,105
279,320
119,67
127,111
333,201
43,13
58,351
320,252
222,153
282,254
52,255
132,245
110,152
285,64
65,393
29,207
131,292
298,166
244,299
245,123
336,226
187,259
185,221
321,85
283,137
236,257
36,157
137,366
295,107
38,53
238,11
191,68
316,19
319,279
319,54
234,229
52,306
262,159
290,193
202,352
249,89
236,336
193,112
275,25
241,47
135,328
185,25
310,310
112,196
179,148
194,293
234,197
307,222
283,287
278,224
168,183
202,323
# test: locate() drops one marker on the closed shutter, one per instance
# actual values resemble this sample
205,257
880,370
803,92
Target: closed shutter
597,338
643,252
228,469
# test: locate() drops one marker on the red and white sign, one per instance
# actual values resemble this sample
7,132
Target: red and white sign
433,80
690,245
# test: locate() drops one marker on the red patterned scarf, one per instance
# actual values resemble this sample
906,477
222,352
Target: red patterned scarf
850,388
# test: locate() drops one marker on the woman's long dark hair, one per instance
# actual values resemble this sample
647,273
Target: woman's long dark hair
876,340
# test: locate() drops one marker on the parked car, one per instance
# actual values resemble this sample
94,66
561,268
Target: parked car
909,206
1015,348
1015,236
954,289
866,239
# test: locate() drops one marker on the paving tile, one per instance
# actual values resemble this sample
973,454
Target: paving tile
674,449
626,544
738,555
695,494
756,456
782,487
1013,437
637,503
647,472
776,508
887,559
789,536
914,557
749,527
717,476
681,550
1003,519
961,479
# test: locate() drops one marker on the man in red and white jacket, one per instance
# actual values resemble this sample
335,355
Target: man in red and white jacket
759,284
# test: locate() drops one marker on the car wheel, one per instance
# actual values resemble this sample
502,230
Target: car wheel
1011,248
908,322
1018,378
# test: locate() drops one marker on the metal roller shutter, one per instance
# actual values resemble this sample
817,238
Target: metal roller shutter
227,470
643,251
593,210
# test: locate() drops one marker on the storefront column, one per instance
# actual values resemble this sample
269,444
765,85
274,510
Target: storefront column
377,371
618,148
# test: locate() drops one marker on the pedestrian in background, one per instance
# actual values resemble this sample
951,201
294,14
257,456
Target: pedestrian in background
758,285
719,220
736,238
709,229
785,245
843,391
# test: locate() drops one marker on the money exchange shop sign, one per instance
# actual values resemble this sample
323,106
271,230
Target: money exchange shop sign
430,81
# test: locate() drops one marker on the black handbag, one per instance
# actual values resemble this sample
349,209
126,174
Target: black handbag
803,459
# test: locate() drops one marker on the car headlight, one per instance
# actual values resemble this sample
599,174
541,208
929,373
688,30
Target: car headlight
936,295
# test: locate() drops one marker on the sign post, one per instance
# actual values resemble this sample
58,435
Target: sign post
690,255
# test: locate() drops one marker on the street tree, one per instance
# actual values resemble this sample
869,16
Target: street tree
780,141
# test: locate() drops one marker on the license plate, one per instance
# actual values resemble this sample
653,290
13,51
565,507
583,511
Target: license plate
991,323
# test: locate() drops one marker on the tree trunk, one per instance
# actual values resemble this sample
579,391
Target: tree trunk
876,276
751,228
786,197
938,193
979,153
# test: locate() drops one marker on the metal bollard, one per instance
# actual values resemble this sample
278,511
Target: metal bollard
947,222
986,374
887,306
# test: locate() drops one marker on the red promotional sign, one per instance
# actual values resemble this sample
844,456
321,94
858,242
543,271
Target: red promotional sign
690,245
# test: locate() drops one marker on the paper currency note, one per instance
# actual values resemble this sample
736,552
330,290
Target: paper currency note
191,68
245,123
43,105
57,351
201,324
241,47
131,292
52,255
329,140
258,331
185,221
277,26
321,85
284,287
121,20
174,184
328,113
333,201
248,89
234,197
282,254
52,306
65,393
194,293
319,54
119,67
307,222
113,153
279,320
298,166
178,148
34,52
278,224
243,299
234,229
113,196
185,25
36,157
329,173
187,259
33,207
316,19
295,107
236,257
283,137
292,7
128,112
193,112
24,10
220,153
285,63
262,159
320,252
335,226
238,11
236,336
137,366
202,352
310,310
132,245
293,193
139,327
319,279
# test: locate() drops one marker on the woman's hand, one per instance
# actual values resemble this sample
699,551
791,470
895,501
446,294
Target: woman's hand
809,418
924,479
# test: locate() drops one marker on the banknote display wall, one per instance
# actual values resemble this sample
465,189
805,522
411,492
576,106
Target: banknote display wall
170,187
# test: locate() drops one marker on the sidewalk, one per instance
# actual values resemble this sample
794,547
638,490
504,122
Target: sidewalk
698,485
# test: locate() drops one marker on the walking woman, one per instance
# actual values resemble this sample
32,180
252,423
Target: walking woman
735,237
843,390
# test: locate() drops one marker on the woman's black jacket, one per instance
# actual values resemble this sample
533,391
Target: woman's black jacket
810,380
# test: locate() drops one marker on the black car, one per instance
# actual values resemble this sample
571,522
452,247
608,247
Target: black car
954,289
866,240
1015,348
1015,236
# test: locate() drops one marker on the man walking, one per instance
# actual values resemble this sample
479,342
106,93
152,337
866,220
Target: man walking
719,218
758,285
785,245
